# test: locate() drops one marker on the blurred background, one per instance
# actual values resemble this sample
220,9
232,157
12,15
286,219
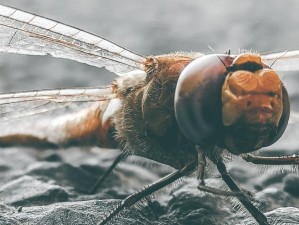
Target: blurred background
157,27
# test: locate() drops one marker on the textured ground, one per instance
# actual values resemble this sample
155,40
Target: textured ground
50,184
50,187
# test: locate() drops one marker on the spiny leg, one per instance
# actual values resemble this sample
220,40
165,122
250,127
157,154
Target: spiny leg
255,212
217,191
135,197
200,176
100,181
281,160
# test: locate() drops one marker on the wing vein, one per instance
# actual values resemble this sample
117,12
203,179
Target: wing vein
66,42
60,95
70,45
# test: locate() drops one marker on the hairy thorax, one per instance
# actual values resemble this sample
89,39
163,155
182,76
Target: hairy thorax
146,125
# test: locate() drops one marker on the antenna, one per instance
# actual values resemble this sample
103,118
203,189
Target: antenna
227,52
211,48
278,58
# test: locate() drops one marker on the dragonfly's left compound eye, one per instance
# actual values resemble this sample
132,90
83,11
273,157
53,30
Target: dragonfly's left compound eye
198,98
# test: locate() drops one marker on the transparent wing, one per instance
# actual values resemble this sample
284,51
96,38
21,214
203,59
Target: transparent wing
25,33
283,61
23,104
49,118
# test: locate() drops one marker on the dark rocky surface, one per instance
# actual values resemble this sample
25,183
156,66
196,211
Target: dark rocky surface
49,186
36,190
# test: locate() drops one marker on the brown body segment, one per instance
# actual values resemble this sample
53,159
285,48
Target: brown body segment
146,125
91,128
86,127
26,140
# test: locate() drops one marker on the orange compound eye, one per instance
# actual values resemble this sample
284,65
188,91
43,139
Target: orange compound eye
247,61
247,57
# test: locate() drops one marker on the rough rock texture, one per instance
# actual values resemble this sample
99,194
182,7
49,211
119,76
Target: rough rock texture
49,188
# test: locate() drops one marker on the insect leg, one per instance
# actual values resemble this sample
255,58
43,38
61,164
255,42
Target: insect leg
201,186
201,158
217,191
100,181
135,197
200,176
255,212
281,160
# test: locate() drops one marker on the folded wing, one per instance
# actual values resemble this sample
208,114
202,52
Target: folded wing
22,104
49,118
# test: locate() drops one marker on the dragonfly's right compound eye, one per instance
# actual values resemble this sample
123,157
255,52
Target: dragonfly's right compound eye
198,98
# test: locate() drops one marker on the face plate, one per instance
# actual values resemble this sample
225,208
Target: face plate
252,104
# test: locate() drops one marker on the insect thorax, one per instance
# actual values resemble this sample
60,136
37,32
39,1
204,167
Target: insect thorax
146,124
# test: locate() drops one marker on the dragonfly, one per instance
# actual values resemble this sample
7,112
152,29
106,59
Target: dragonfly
177,109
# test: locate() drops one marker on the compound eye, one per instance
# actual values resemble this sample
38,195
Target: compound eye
247,57
198,98
284,117
247,61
